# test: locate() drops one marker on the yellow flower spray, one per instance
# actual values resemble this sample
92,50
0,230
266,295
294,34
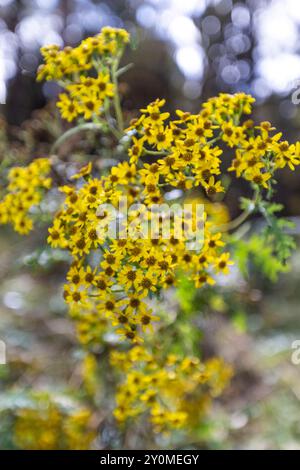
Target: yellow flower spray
111,280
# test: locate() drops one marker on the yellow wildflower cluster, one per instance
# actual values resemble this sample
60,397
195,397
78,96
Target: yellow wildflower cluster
25,189
85,72
90,326
86,98
174,392
260,154
111,278
129,269
48,424
124,252
62,64
191,156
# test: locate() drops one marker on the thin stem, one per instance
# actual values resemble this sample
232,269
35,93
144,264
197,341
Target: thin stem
115,131
102,249
4,163
75,130
154,152
116,99
215,139
235,223
123,69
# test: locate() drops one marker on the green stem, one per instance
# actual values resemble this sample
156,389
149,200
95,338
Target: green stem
215,139
87,126
154,152
235,223
116,99
123,69
115,131
4,163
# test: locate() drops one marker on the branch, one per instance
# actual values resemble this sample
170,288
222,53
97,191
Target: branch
87,126
235,223
116,98
123,69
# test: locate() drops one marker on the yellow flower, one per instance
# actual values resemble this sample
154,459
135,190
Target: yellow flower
145,319
68,107
161,137
90,106
288,155
25,189
261,179
56,236
129,277
105,87
124,173
213,187
223,263
22,225
84,171
135,151
153,114
74,295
